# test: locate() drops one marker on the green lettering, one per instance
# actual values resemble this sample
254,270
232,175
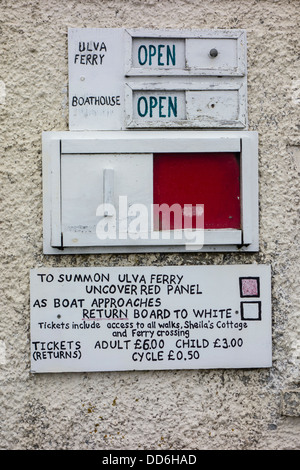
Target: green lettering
160,54
171,55
145,55
140,113
172,106
153,104
161,106
152,53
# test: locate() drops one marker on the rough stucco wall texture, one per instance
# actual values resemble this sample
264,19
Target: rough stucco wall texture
210,409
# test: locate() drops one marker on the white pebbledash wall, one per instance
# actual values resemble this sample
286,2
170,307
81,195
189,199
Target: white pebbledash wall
189,409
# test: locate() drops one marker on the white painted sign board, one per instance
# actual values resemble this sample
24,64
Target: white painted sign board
150,318
136,78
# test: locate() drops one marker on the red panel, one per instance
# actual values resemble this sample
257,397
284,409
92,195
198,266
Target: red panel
212,179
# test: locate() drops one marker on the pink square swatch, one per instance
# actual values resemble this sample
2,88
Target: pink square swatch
249,287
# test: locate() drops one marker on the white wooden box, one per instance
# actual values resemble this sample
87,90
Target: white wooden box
82,171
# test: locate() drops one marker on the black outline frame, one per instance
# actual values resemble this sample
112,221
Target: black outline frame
259,310
258,286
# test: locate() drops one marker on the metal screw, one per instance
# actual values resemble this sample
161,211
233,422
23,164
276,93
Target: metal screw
213,53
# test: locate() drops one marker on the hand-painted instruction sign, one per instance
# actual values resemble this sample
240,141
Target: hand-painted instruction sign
142,318
136,78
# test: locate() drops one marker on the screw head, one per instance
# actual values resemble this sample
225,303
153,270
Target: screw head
213,53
